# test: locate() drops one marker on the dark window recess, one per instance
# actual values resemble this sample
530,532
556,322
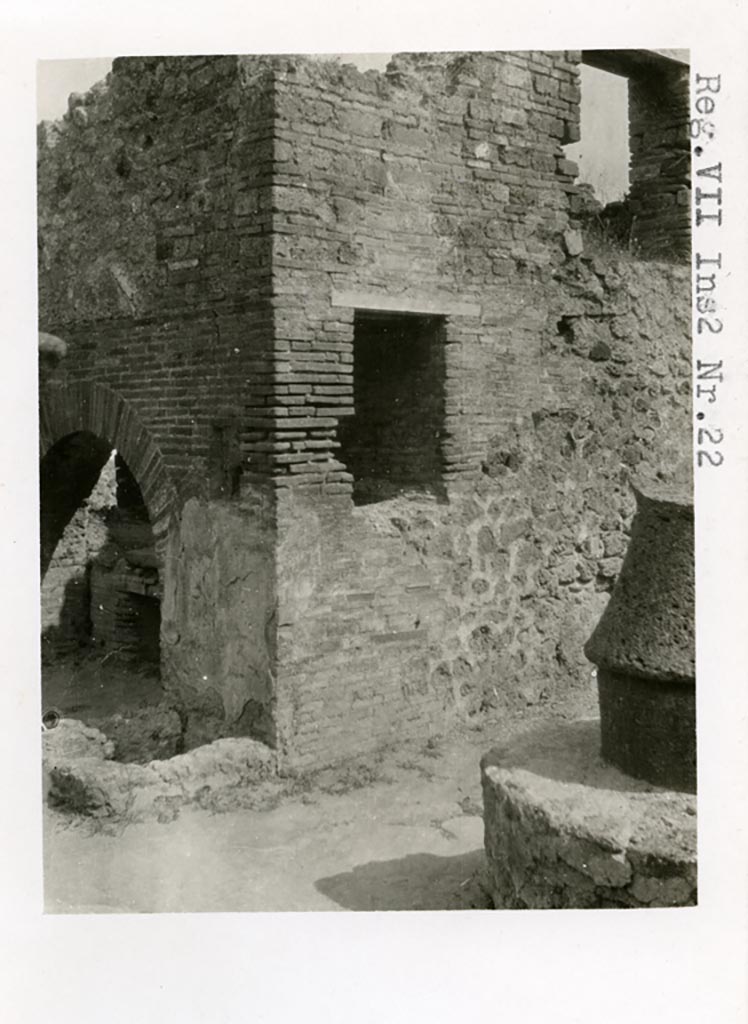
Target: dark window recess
141,626
225,460
393,443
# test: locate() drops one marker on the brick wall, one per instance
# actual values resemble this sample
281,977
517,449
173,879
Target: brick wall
660,175
124,579
125,611
154,246
442,188
154,267
426,185
213,231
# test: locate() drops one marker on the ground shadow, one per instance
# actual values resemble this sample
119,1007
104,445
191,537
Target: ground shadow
91,687
71,632
419,881
565,752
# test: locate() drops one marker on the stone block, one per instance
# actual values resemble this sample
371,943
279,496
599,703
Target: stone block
81,779
573,243
567,167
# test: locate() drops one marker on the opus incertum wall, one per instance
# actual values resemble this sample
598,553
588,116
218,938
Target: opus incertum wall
380,399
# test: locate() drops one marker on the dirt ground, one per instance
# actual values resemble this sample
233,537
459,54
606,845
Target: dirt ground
402,830
92,687
404,835
125,701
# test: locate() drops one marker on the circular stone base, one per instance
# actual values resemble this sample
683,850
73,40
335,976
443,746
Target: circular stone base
565,829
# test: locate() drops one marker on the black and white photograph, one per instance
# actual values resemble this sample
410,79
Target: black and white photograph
384,442
366,481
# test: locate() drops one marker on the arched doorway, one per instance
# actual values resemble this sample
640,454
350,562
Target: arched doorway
102,578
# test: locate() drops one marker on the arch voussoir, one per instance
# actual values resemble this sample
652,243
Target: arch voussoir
88,406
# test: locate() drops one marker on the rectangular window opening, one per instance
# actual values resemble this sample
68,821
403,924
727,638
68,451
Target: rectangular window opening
392,445
145,627
603,152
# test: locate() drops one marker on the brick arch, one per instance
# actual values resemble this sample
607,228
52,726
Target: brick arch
66,409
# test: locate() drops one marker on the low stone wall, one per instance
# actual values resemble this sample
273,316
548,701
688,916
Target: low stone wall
563,829
80,776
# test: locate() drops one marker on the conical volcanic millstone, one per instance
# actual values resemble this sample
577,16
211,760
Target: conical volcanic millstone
644,647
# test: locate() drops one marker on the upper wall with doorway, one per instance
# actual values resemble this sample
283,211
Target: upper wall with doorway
207,226
195,214
438,189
